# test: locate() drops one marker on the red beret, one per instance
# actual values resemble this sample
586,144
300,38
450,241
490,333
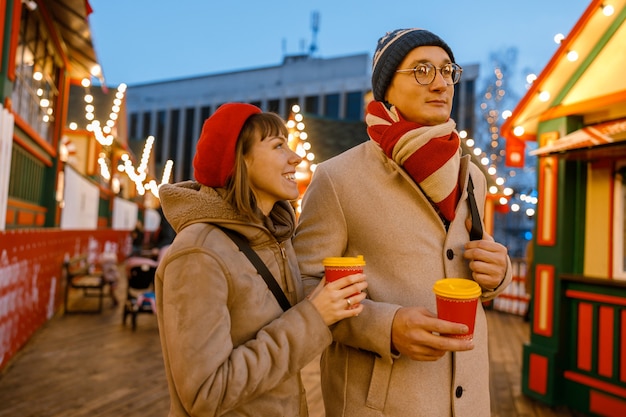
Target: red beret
215,152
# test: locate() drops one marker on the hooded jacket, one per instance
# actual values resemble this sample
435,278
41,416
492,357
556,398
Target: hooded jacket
228,347
363,203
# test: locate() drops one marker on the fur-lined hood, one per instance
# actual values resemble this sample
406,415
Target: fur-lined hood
190,202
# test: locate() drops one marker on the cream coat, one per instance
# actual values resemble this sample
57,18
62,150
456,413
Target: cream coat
363,203
228,348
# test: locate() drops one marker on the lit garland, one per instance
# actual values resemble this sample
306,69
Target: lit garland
104,135
45,94
298,143
139,175
544,95
491,108
167,170
571,55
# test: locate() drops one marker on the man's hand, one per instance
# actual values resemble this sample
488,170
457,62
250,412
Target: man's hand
415,333
487,260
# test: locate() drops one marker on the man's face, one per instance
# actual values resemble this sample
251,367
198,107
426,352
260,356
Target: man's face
424,104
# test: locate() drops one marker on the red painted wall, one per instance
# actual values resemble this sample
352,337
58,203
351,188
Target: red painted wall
31,289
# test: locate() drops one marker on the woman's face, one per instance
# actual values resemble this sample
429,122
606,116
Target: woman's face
429,104
271,166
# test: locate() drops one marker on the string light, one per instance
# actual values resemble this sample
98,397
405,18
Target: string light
493,156
558,38
572,56
544,96
608,9
298,143
104,135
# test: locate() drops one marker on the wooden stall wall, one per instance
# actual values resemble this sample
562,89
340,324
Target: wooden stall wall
31,288
594,363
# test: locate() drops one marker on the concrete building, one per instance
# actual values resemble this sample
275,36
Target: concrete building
332,89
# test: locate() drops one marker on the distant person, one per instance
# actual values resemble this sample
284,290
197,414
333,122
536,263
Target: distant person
163,237
165,234
137,236
402,201
229,346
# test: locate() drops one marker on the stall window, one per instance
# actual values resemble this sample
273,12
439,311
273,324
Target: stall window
35,92
619,222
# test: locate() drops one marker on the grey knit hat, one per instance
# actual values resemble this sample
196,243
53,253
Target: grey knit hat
391,50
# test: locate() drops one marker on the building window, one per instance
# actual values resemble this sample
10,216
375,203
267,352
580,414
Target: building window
146,129
462,106
354,106
35,91
159,138
331,106
132,128
188,140
205,113
273,106
469,106
173,136
27,177
312,105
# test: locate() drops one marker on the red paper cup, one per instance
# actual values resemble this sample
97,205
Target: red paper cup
457,299
341,266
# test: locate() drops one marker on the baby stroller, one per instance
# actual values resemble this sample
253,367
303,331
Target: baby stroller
140,289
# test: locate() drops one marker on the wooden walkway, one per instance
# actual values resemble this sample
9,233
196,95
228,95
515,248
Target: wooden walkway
88,365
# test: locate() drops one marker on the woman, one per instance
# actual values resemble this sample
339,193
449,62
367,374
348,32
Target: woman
229,348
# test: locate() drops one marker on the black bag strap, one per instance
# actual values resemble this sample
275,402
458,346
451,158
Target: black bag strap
261,268
476,233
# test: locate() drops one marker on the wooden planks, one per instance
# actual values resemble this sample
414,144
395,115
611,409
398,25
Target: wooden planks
92,366
507,334
88,365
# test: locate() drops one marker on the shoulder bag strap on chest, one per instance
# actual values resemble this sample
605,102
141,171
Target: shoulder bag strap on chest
476,233
261,268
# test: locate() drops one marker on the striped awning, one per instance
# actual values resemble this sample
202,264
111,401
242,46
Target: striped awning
587,137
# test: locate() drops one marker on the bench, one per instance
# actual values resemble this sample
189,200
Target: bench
81,275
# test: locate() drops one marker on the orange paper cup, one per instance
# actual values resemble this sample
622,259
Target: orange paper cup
457,299
341,266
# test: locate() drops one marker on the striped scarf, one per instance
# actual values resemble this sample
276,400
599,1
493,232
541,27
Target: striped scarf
429,154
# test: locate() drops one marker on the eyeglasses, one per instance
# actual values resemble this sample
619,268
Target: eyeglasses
425,73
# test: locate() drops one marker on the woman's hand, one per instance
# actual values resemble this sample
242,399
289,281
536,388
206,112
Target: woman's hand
339,299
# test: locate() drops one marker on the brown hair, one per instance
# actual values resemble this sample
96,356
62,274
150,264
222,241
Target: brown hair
239,194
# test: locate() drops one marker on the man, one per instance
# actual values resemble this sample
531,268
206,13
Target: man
401,201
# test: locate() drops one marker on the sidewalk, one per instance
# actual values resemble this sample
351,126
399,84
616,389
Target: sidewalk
88,365
92,366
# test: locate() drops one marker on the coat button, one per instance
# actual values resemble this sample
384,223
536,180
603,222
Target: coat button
450,254
459,392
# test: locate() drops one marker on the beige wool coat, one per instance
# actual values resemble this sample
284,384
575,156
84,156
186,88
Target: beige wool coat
228,348
363,203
